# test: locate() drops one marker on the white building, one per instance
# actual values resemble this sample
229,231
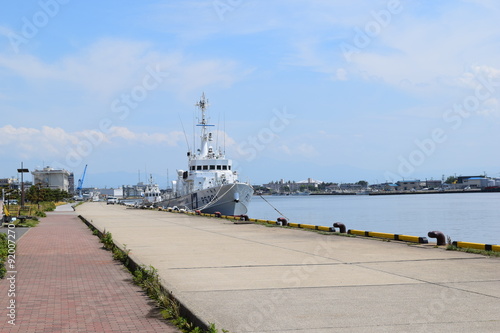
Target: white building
476,182
8,182
52,178
111,192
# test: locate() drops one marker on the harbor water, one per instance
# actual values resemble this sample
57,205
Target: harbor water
468,217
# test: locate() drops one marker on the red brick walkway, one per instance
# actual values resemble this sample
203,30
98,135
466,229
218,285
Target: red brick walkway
66,282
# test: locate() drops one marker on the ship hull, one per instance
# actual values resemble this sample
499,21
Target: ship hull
229,199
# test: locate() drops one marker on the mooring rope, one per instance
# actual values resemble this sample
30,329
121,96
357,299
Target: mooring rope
216,194
260,195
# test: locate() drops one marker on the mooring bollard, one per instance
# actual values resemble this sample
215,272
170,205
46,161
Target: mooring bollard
217,214
244,218
441,240
282,221
341,227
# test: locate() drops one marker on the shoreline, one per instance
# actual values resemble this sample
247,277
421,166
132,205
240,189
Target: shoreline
406,192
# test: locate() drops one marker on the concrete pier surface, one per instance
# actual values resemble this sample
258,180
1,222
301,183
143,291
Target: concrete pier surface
252,278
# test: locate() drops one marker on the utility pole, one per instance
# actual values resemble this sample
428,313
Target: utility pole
22,171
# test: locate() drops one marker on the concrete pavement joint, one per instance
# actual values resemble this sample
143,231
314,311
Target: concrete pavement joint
355,263
433,283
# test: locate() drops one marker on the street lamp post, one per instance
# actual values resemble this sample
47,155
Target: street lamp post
22,171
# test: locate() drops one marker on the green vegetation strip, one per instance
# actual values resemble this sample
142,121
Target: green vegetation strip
148,279
4,251
471,250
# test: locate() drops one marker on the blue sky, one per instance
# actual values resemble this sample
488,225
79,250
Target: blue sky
333,90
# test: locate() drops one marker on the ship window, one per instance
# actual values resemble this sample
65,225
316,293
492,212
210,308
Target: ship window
212,167
224,167
219,167
192,168
205,167
198,167
229,167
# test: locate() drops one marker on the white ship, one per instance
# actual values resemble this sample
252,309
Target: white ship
210,184
152,193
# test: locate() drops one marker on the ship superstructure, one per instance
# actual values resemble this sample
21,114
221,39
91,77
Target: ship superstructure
210,184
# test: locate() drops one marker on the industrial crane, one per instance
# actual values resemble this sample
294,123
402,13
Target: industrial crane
80,183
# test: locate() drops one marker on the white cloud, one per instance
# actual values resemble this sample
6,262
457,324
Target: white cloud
415,52
54,142
305,150
171,139
110,67
483,84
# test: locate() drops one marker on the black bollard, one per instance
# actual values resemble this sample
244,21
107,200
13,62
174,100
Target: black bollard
282,221
341,227
441,240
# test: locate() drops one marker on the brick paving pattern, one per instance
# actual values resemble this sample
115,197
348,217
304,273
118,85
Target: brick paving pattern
66,282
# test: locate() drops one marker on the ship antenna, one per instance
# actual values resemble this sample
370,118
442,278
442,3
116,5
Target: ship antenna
194,130
184,131
217,137
224,134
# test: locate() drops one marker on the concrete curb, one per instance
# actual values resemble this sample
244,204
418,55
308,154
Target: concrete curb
245,218
405,238
133,264
397,237
478,246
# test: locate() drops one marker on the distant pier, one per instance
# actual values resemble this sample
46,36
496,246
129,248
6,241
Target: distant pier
401,192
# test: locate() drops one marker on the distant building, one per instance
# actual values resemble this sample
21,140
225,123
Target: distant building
71,183
351,187
9,183
282,186
409,185
433,184
129,191
111,192
332,188
309,182
52,178
475,182
384,187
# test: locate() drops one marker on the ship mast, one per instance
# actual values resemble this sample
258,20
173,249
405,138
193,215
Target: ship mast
205,137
